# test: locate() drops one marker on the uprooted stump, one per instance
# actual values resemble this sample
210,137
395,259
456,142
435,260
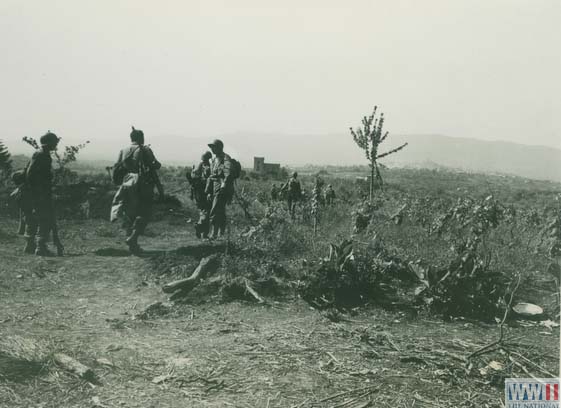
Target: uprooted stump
182,287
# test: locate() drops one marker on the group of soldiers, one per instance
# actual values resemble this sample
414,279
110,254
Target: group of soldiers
133,203
212,182
291,192
212,187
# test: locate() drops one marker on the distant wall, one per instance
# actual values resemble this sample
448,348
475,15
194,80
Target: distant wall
259,166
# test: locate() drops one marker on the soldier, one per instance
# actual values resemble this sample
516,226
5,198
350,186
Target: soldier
274,193
37,204
293,193
141,166
329,195
220,187
198,178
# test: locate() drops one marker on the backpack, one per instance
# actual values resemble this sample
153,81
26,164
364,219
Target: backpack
120,170
236,168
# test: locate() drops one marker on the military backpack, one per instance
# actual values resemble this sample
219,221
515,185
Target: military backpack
236,169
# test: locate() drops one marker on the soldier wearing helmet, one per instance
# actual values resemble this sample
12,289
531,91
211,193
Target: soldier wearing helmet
293,191
39,181
141,165
220,187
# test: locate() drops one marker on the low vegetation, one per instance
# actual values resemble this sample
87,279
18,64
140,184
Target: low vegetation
431,246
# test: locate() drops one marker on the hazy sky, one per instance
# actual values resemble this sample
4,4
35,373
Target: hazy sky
488,69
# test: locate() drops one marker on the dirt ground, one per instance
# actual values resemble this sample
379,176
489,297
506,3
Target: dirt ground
238,354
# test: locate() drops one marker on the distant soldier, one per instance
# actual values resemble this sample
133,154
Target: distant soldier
274,193
199,178
283,192
37,200
137,190
329,195
220,187
293,193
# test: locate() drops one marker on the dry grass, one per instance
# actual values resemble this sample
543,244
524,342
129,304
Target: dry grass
238,354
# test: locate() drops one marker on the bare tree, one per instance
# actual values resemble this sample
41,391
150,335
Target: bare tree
62,174
368,138
5,162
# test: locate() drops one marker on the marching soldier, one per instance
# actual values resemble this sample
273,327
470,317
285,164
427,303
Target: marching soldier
199,179
275,192
37,204
220,187
329,195
141,166
293,193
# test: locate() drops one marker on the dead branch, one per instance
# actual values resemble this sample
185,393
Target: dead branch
499,342
516,363
207,265
527,360
253,292
74,366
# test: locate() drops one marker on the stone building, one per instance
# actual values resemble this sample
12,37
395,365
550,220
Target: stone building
259,166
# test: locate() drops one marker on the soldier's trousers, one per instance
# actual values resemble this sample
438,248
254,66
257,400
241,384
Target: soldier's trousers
203,225
292,207
144,208
203,205
218,212
39,220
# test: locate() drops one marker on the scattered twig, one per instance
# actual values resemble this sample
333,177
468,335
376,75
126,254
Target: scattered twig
543,370
521,366
424,401
253,292
499,342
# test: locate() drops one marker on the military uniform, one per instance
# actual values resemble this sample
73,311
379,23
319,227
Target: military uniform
294,193
220,187
274,193
199,179
329,195
37,201
139,159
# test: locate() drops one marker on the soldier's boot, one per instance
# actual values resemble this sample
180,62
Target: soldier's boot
204,231
213,232
59,248
42,249
30,246
198,232
132,242
21,228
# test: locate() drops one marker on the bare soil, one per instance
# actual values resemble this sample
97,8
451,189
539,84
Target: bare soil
88,305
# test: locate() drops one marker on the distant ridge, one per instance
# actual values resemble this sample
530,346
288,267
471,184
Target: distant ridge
426,151
423,151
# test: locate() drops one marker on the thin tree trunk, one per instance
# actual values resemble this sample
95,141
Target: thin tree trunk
372,171
379,176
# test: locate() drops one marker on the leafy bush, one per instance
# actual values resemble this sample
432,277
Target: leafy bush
5,162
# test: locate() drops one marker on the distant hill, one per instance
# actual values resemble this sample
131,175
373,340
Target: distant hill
534,162
423,151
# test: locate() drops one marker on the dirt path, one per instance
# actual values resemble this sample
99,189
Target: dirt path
218,355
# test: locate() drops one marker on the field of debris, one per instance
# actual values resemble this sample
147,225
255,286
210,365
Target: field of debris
414,299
